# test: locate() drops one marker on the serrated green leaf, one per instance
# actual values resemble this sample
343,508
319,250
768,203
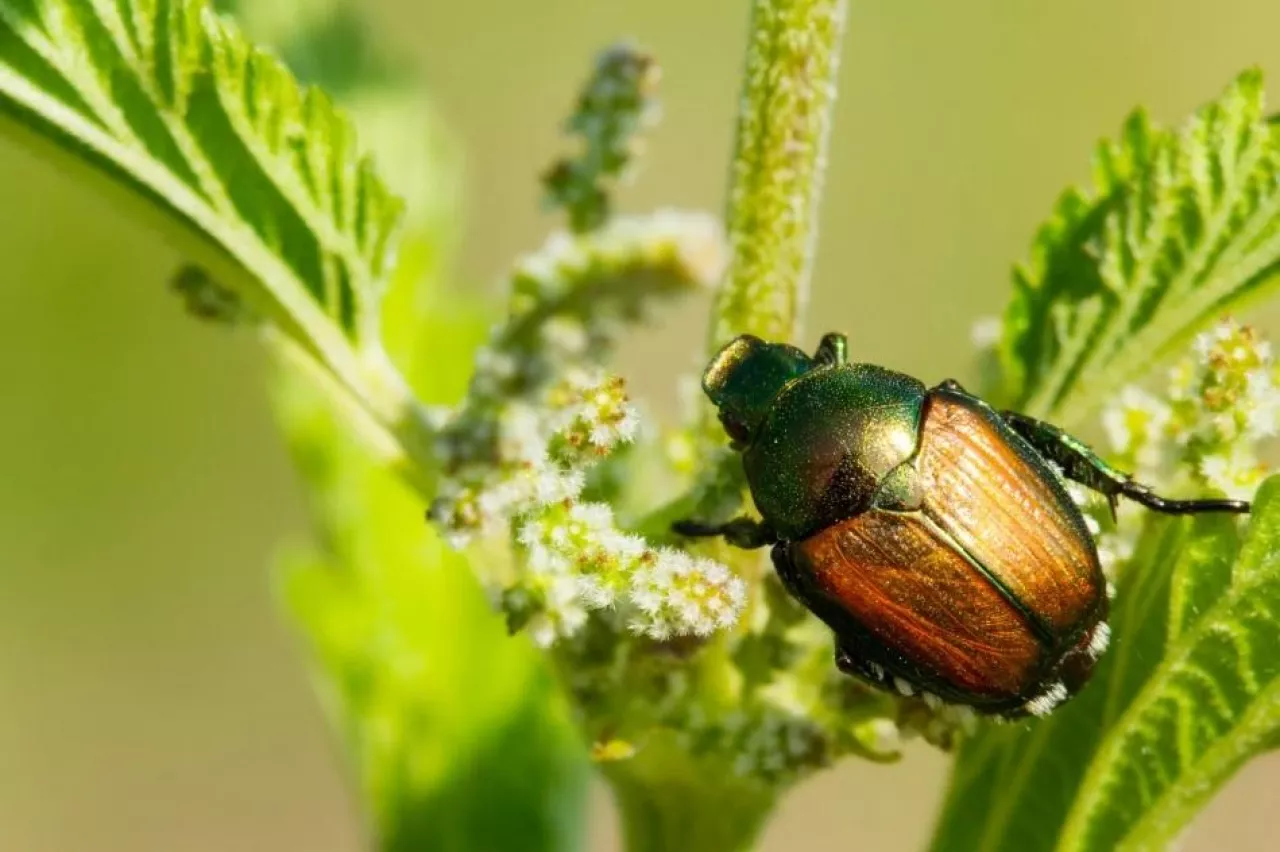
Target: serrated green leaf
1202,572
1189,691
1180,227
1212,703
259,180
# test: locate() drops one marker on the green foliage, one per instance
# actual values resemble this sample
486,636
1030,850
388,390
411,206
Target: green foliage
1183,226
262,185
1180,227
458,731
446,718
260,181
330,44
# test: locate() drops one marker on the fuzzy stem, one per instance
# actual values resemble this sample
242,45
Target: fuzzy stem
670,798
672,801
789,88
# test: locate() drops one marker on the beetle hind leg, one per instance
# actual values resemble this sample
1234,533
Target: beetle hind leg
856,665
1143,494
1081,464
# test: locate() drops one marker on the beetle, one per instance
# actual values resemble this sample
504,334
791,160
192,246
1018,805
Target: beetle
932,533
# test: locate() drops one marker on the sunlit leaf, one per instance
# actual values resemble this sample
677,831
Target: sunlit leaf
1179,227
449,720
258,180
446,717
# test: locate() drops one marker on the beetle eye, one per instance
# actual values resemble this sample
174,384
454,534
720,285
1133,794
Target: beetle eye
736,429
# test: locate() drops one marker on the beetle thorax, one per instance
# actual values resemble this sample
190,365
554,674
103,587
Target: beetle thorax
828,442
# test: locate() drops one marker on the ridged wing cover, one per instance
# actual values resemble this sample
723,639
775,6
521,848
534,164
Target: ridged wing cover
892,583
982,592
995,497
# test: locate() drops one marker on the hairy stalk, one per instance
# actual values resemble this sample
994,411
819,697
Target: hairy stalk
779,157
670,801
789,88
674,795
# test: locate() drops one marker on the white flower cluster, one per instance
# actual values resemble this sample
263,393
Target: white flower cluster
539,415
1222,401
676,594
1137,426
1225,402
542,452
777,744
593,417
937,723
578,560
766,742
568,302
590,282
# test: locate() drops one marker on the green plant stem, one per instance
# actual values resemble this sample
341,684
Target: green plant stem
789,88
672,801
381,411
671,798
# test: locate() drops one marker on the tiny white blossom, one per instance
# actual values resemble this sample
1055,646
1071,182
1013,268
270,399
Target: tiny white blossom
552,485
542,631
594,592
1262,417
1135,424
693,596
594,517
1235,471
522,433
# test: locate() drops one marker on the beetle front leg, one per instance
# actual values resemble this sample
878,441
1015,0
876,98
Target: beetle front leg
833,350
1081,464
743,532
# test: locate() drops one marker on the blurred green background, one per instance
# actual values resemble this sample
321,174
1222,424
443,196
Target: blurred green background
151,695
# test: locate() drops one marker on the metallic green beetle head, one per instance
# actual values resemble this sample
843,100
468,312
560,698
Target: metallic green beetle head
745,377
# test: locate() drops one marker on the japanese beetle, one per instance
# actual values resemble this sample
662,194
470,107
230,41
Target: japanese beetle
932,533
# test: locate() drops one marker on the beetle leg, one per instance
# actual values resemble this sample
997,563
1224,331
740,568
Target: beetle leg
847,661
855,665
1081,464
833,350
743,532
782,564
